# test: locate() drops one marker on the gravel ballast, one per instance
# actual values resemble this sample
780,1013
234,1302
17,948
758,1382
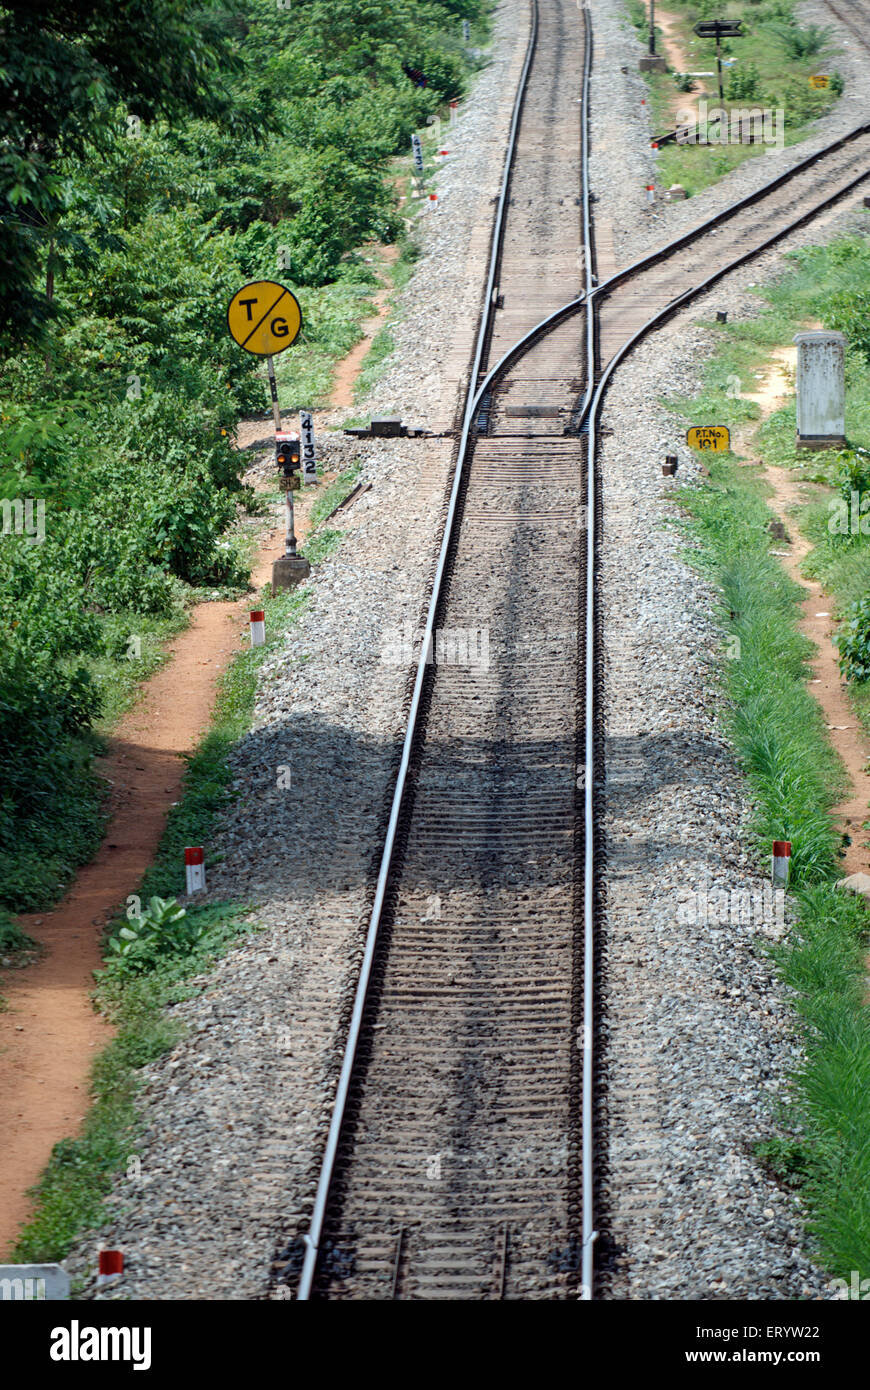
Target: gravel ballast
699,1035
234,1118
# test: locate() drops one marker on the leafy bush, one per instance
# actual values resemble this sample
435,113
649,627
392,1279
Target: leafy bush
743,84
849,313
854,476
853,641
157,932
12,938
119,405
803,41
800,102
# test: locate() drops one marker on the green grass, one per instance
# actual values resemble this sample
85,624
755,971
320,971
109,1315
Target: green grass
135,648
383,343
819,286
775,78
37,870
305,371
335,493
794,777
826,964
373,364
82,1170
40,867
774,722
403,268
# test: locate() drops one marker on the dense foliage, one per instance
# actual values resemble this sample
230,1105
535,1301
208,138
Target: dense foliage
153,157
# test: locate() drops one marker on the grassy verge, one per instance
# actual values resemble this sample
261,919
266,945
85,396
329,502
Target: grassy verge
333,495
81,1171
382,346
383,343
16,948
334,315
767,68
134,648
43,858
825,285
336,312
823,1146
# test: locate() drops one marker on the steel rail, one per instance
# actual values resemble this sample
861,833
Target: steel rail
661,253
587,1162
592,401
846,20
315,1231
726,214
590,408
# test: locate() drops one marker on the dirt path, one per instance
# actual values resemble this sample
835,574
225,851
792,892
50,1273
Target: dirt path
817,623
679,59
349,369
50,1032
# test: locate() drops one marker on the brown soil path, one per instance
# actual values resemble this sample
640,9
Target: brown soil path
678,57
50,1032
817,623
348,370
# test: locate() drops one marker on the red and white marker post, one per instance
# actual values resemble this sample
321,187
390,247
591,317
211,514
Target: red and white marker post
194,867
111,1264
780,860
650,192
433,202
258,627
454,111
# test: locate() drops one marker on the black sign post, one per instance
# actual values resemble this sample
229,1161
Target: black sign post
719,29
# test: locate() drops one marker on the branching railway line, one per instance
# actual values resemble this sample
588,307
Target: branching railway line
461,1155
455,1167
669,276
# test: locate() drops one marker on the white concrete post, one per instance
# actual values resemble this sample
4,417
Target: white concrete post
821,390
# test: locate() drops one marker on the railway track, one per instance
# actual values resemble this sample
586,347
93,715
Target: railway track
460,1157
635,298
454,1166
855,16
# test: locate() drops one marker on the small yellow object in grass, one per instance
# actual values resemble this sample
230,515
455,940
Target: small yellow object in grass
714,437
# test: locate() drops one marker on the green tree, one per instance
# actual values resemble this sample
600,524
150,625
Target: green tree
67,67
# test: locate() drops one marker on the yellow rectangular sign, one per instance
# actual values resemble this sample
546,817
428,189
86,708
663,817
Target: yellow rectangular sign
709,437
819,80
